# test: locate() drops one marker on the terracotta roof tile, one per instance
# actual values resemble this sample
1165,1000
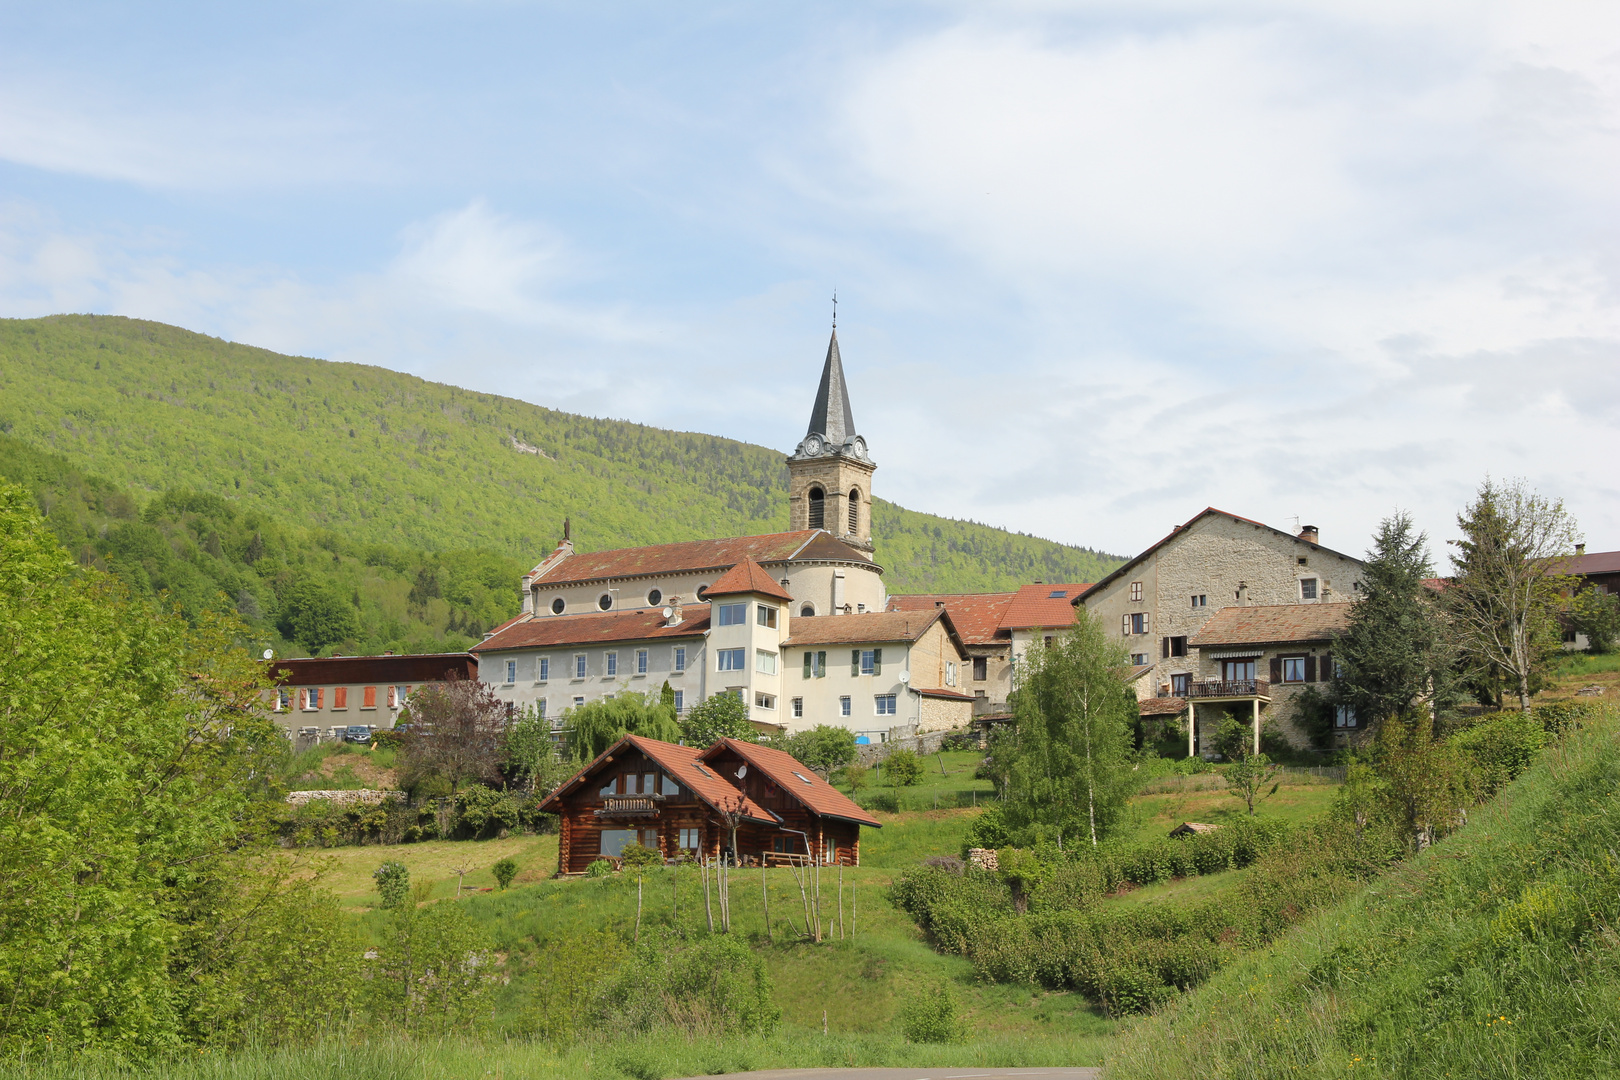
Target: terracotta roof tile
1161,706
1273,624
1039,607
873,626
680,762
590,628
748,577
796,779
977,615
940,692
697,555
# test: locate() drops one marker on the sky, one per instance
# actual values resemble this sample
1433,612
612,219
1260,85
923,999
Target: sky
1099,265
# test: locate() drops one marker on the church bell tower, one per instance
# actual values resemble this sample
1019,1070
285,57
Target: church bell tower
830,473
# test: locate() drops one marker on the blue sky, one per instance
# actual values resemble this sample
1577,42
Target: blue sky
1099,264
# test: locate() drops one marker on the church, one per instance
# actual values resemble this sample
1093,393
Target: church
794,623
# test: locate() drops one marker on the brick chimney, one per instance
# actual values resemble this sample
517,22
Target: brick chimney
1308,534
1580,549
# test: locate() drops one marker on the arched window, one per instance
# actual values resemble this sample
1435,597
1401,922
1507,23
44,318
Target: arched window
807,611
557,606
854,510
818,508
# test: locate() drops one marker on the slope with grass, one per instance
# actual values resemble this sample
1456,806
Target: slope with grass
384,458
1495,953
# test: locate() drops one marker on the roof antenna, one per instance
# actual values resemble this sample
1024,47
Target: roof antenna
835,309
566,529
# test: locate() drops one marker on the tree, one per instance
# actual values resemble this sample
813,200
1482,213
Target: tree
531,759
823,747
393,880
1426,780
1395,650
595,726
1505,591
1068,764
1249,771
316,615
720,716
457,733
1597,615
902,768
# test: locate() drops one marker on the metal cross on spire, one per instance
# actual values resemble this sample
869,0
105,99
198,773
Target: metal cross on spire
835,309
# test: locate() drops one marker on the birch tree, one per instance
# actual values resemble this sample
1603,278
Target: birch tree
1506,588
1068,767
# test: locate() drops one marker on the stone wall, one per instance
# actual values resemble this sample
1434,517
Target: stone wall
343,798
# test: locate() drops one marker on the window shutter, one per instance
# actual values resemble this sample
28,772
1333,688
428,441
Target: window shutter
1164,648
807,663
854,662
1310,669
821,665
1125,625
1147,627
1327,667
877,661
1276,669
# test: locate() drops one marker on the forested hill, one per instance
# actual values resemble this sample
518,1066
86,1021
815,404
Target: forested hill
381,457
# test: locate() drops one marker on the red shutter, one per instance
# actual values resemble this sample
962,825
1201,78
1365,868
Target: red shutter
1276,669
1310,669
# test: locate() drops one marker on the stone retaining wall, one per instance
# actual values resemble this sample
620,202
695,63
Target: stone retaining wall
342,798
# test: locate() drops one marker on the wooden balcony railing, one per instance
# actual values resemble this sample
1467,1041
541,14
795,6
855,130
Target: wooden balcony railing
1234,688
630,806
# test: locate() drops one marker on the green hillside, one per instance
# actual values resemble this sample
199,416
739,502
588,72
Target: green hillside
377,457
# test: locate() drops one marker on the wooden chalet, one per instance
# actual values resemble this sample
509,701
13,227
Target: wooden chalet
678,799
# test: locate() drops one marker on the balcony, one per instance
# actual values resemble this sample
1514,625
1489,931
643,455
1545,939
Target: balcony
619,806
1238,689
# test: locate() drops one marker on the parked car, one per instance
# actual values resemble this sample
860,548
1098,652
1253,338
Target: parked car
357,733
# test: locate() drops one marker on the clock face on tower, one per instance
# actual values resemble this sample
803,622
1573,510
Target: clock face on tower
813,445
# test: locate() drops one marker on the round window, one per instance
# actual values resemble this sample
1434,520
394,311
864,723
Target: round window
557,606
655,598
702,592
605,601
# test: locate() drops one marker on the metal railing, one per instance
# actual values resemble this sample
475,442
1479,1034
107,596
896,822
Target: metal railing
630,806
1233,688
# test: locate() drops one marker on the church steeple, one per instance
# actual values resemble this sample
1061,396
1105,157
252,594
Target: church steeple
830,472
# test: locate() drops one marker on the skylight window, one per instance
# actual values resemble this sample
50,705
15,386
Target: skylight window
801,776
1057,594
700,768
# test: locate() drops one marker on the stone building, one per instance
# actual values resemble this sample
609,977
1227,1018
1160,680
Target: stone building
316,699
987,671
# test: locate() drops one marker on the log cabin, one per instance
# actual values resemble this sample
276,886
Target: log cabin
750,802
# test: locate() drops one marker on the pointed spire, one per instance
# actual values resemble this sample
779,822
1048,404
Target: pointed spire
831,418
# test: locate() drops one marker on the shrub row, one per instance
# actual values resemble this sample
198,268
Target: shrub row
476,812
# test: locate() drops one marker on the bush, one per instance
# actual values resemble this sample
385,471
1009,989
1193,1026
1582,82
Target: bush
823,747
887,801
393,883
929,1016
1500,748
902,768
635,856
712,987
987,830
855,777
599,868
505,870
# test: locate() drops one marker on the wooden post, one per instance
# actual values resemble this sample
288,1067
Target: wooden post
765,900
675,892
804,896
1256,724
635,939
707,909
840,901
852,911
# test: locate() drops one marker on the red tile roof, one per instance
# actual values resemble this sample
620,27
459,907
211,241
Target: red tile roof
873,627
591,628
787,773
938,692
1161,706
680,762
977,615
1035,607
748,577
805,545
1273,624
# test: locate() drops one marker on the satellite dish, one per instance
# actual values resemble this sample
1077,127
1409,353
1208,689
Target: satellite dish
742,771
669,613
269,654
905,676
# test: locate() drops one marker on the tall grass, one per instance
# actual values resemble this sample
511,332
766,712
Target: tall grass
1496,953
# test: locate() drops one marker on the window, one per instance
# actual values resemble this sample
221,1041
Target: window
680,658
1293,669
557,606
818,508
1303,561
1047,641
1179,684
611,664
798,707
702,592
764,662
340,697
815,665
540,708
689,840
732,615
654,597
1139,659
1344,717
803,777
731,660
1134,623
283,700
641,661
1173,646
680,701
543,671
1237,670
981,668
886,705
843,706
511,672
854,510
1136,591
765,615
950,673
511,711
397,696
312,699
860,609
807,611
763,700
1200,600
605,601
1057,594
579,701
866,661
1307,588
368,698
579,665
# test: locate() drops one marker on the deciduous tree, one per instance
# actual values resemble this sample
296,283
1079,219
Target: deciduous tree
719,716
595,726
457,733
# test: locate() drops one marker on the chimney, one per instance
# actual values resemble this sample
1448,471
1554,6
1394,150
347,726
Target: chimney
1243,594
939,603
1308,534
674,612
1580,549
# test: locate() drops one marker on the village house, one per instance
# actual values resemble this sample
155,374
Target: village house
987,674
742,801
1599,570
317,699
